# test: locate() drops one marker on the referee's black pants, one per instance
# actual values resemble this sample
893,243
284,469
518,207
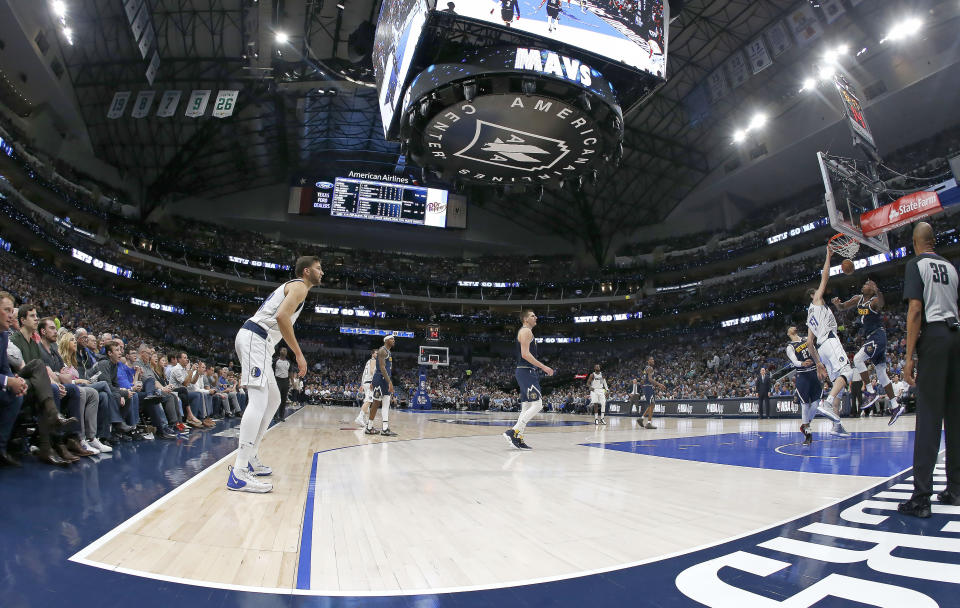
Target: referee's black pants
763,406
938,404
283,384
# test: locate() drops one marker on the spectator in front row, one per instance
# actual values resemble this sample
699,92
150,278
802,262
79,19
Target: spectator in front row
14,388
67,349
124,419
155,385
182,380
86,407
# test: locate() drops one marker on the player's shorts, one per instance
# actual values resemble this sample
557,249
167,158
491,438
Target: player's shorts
529,381
255,355
648,395
553,12
367,392
506,14
875,348
835,359
598,397
379,388
809,387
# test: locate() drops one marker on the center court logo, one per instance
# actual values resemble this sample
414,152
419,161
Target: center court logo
513,139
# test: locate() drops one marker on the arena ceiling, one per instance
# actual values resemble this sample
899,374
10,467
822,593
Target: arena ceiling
310,101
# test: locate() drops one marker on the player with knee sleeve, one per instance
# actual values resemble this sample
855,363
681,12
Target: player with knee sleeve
382,388
531,397
874,350
809,389
255,344
825,348
598,394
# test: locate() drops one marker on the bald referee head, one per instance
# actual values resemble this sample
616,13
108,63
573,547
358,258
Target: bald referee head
923,238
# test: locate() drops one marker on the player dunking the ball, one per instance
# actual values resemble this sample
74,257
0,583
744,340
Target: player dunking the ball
874,350
598,394
255,344
825,348
648,383
531,401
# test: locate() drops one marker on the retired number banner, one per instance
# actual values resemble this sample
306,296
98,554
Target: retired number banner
226,101
197,103
119,104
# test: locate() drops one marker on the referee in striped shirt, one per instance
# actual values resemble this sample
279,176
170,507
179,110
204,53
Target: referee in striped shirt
933,332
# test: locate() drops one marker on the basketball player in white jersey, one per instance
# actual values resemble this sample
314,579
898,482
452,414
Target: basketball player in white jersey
825,348
598,394
255,344
366,384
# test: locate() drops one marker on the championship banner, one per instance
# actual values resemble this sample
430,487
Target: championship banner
737,66
803,22
197,103
168,104
140,21
119,104
153,67
758,56
141,107
226,101
131,7
779,39
717,83
146,41
749,407
832,9
903,211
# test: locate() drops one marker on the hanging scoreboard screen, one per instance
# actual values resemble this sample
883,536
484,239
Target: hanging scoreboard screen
389,202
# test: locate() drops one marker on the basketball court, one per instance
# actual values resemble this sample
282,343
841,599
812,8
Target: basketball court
448,513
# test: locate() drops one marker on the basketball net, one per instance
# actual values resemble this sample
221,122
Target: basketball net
845,245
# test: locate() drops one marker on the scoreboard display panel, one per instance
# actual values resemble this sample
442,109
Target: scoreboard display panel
389,202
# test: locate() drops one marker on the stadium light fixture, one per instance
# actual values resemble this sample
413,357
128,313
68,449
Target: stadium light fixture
68,34
757,121
904,29
739,136
809,84
826,72
833,55
281,38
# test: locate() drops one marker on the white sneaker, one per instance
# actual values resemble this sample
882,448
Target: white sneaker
245,481
359,420
88,447
95,443
839,431
257,468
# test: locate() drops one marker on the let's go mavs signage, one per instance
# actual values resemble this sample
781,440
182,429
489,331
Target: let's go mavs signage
512,115
725,408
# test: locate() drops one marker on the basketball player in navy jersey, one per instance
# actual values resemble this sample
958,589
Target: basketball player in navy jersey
382,388
553,13
531,397
874,350
598,394
649,382
255,344
507,9
809,388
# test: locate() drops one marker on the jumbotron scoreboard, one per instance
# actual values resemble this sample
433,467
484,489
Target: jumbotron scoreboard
386,202
377,197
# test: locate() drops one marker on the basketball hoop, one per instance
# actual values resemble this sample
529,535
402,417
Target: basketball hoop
844,244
